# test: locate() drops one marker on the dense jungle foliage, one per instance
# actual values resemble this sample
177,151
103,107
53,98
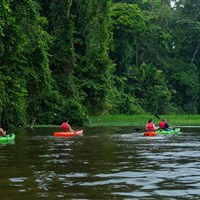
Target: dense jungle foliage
73,59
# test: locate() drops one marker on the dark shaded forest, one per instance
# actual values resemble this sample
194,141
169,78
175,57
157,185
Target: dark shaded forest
76,58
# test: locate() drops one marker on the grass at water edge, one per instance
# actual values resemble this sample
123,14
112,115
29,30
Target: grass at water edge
141,120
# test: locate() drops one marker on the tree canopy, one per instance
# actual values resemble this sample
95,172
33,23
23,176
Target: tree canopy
80,58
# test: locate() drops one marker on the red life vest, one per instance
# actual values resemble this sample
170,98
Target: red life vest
150,126
65,126
162,124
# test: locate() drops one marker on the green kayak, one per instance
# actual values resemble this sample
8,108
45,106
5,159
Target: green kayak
170,131
8,138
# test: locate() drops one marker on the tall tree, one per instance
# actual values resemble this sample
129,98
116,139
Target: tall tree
23,59
81,38
128,26
92,26
186,50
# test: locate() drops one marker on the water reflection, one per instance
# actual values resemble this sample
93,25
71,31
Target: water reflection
106,163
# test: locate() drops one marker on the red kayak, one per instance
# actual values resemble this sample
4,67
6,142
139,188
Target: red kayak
150,133
68,134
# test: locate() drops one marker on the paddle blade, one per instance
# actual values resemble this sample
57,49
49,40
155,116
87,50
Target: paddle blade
157,117
19,125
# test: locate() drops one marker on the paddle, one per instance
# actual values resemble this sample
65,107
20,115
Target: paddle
157,116
58,117
17,126
136,129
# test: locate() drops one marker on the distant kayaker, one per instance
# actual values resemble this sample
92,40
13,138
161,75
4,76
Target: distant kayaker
150,126
2,132
65,126
164,125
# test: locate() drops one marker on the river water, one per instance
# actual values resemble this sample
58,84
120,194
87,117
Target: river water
105,163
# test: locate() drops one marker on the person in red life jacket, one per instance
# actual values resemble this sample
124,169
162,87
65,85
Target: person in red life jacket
65,126
150,126
164,125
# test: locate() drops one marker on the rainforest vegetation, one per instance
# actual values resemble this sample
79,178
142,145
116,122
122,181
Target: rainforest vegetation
77,58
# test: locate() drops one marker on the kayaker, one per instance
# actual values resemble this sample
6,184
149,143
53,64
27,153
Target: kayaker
150,126
162,124
65,126
2,132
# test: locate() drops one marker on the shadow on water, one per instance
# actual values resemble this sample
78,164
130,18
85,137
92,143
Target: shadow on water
105,163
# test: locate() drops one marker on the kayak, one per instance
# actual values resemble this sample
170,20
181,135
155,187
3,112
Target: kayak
170,131
162,131
68,134
150,133
8,138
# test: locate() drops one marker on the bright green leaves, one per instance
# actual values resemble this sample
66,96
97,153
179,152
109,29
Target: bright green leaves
99,56
128,26
127,18
81,39
149,86
23,59
183,77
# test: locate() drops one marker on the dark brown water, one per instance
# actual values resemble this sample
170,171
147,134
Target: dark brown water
106,163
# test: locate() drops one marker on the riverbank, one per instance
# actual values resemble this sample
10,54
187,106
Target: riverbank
141,120
136,120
